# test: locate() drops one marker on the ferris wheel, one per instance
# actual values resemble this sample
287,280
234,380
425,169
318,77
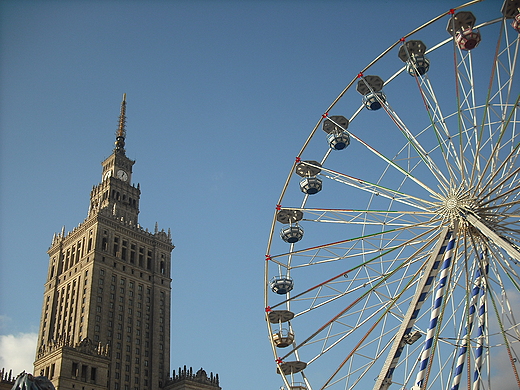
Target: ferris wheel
393,259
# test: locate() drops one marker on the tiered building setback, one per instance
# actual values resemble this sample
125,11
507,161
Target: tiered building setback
105,320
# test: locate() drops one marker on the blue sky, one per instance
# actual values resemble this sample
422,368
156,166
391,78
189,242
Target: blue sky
221,96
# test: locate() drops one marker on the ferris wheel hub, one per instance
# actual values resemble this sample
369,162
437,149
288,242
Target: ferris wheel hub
457,204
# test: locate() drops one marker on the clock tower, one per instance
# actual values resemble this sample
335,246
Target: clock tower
115,192
105,320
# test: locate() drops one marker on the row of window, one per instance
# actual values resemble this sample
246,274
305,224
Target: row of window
66,311
71,256
48,371
121,248
129,310
82,372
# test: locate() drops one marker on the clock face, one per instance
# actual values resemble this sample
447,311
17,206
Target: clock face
122,175
107,175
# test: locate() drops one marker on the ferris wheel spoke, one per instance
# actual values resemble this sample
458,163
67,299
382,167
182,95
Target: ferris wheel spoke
360,247
499,93
502,205
493,236
379,190
502,265
468,134
494,166
411,139
393,164
438,122
385,307
413,310
498,317
378,217
508,175
381,310
504,67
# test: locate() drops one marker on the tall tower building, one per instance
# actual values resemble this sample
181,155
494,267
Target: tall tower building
105,320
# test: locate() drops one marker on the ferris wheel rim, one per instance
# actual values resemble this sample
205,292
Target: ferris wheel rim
510,249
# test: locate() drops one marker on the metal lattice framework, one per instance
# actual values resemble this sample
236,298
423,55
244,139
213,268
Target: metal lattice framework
403,271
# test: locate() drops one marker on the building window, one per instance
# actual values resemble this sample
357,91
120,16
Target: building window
84,372
116,247
132,253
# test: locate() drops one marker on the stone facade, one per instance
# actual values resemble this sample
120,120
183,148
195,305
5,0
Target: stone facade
105,321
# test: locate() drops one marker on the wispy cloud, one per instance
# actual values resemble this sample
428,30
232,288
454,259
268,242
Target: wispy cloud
17,352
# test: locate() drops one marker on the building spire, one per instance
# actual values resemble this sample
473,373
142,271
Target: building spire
121,131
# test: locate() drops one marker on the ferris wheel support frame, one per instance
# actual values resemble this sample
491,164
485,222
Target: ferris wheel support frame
383,381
